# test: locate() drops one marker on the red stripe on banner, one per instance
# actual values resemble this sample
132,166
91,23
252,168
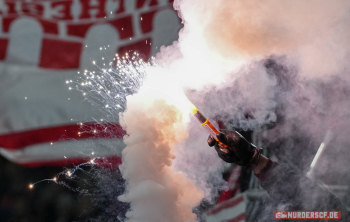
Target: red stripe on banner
3,48
20,140
105,162
233,184
140,46
60,54
238,218
227,194
229,204
147,21
55,163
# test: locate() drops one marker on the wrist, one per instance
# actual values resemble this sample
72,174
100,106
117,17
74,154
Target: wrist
262,162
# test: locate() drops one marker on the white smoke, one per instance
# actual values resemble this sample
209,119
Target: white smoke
315,31
266,59
249,63
155,191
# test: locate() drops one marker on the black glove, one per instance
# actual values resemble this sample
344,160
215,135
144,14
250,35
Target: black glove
240,151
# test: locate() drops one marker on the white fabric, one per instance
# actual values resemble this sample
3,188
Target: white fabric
32,97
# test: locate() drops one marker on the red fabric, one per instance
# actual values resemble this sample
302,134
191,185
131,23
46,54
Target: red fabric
124,26
32,8
141,47
49,27
3,48
60,54
79,30
106,162
221,124
19,140
226,200
61,162
141,3
86,6
226,205
147,21
227,194
6,23
11,7
233,184
65,10
121,8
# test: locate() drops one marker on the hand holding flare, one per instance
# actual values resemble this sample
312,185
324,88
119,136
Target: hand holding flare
231,146
207,125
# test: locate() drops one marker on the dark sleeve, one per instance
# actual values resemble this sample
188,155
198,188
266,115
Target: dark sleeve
297,192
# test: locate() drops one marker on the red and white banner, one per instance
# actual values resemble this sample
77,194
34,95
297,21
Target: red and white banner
45,43
230,206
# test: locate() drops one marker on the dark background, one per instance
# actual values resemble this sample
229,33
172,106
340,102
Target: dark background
47,201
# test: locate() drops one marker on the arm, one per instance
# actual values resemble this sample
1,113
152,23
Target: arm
298,192
285,186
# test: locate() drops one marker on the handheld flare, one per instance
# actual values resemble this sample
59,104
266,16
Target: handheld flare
206,124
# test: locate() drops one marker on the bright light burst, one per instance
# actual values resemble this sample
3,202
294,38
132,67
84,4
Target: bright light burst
108,87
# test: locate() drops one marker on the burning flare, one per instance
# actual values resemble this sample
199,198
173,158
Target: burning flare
206,124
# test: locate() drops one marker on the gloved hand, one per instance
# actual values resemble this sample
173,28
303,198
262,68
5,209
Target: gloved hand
241,152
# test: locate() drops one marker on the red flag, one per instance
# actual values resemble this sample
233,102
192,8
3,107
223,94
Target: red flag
230,206
43,45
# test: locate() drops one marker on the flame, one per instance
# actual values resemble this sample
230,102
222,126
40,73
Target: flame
193,108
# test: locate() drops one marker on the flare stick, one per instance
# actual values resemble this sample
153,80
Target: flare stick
207,125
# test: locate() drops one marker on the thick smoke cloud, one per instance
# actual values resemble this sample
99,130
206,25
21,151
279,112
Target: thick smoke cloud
280,66
155,191
271,63
315,32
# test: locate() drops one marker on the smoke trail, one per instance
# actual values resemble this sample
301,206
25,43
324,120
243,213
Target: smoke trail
155,191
